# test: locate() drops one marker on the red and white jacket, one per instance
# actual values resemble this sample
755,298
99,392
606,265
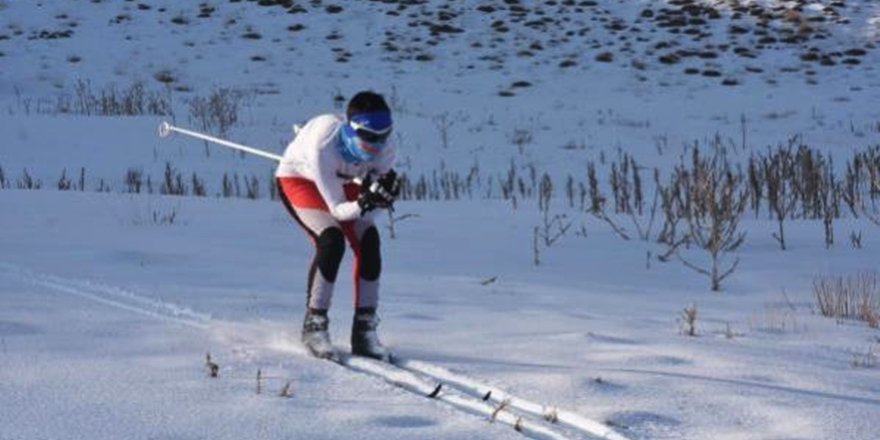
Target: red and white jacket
314,155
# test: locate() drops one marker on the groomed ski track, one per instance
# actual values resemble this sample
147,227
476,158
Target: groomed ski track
461,392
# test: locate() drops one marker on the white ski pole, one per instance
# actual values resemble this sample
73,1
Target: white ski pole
165,129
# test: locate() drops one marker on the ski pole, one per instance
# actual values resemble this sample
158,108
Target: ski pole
165,130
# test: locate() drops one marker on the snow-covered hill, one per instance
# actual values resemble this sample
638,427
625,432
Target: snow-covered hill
109,301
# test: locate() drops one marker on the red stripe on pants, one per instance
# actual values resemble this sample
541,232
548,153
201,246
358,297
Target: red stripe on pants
302,193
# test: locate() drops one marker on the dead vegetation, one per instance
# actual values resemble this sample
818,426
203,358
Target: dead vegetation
855,296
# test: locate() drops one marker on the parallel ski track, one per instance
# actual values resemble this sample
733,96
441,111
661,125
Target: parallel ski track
466,394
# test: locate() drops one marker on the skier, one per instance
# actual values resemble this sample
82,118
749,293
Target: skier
333,177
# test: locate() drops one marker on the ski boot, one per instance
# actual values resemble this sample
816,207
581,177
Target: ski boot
364,339
315,336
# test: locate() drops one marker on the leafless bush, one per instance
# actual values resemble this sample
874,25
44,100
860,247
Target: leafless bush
854,296
64,183
165,217
443,123
227,188
553,227
688,320
829,200
103,187
867,165
134,179
628,194
712,199
26,181
82,179
521,137
173,182
198,186
211,366
252,187
217,111
855,239
393,219
133,100
778,172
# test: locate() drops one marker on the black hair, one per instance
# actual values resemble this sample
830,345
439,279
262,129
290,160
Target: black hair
366,102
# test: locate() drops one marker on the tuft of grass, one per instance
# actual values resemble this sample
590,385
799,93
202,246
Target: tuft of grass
855,296
688,320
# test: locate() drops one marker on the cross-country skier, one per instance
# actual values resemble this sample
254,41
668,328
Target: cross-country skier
333,177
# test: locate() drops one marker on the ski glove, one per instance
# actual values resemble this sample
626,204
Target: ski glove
373,195
391,184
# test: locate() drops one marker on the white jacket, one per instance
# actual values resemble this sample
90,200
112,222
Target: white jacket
313,154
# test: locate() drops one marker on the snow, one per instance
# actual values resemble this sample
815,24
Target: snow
107,311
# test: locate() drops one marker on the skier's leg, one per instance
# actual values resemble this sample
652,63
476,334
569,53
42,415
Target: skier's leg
307,208
364,239
365,244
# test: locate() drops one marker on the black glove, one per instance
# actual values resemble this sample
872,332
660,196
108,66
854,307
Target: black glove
391,184
373,196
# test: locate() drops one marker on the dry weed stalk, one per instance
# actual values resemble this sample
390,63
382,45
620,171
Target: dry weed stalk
849,297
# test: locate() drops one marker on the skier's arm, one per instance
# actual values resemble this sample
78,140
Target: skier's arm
331,190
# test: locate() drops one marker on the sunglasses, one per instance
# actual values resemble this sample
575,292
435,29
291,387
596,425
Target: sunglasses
369,135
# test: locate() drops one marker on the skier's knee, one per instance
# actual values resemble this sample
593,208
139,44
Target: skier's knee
371,258
331,247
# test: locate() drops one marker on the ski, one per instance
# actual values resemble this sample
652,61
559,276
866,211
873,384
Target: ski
437,390
487,393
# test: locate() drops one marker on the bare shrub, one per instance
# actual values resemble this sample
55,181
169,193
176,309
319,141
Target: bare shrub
712,199
198,186
778,171
134,180
211,366
26,181
855,296
219,110
226,186
64,183
164,217
688,320
628,195
443,123
521,137
132,100
173,182
394,219
252,187
553,227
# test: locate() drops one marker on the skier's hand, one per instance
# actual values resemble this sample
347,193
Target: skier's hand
390,182
373,196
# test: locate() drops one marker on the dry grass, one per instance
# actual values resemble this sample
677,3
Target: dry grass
854,296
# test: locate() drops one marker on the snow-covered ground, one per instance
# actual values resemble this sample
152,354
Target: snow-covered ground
109,301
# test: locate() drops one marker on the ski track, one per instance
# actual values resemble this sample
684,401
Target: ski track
418,377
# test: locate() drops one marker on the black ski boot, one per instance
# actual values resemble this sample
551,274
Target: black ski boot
364,340
315,336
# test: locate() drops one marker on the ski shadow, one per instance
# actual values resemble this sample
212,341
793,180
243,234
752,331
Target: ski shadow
755,385
639,425
13,328
405,421
450,359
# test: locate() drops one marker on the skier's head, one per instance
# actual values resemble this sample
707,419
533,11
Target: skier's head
367,128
